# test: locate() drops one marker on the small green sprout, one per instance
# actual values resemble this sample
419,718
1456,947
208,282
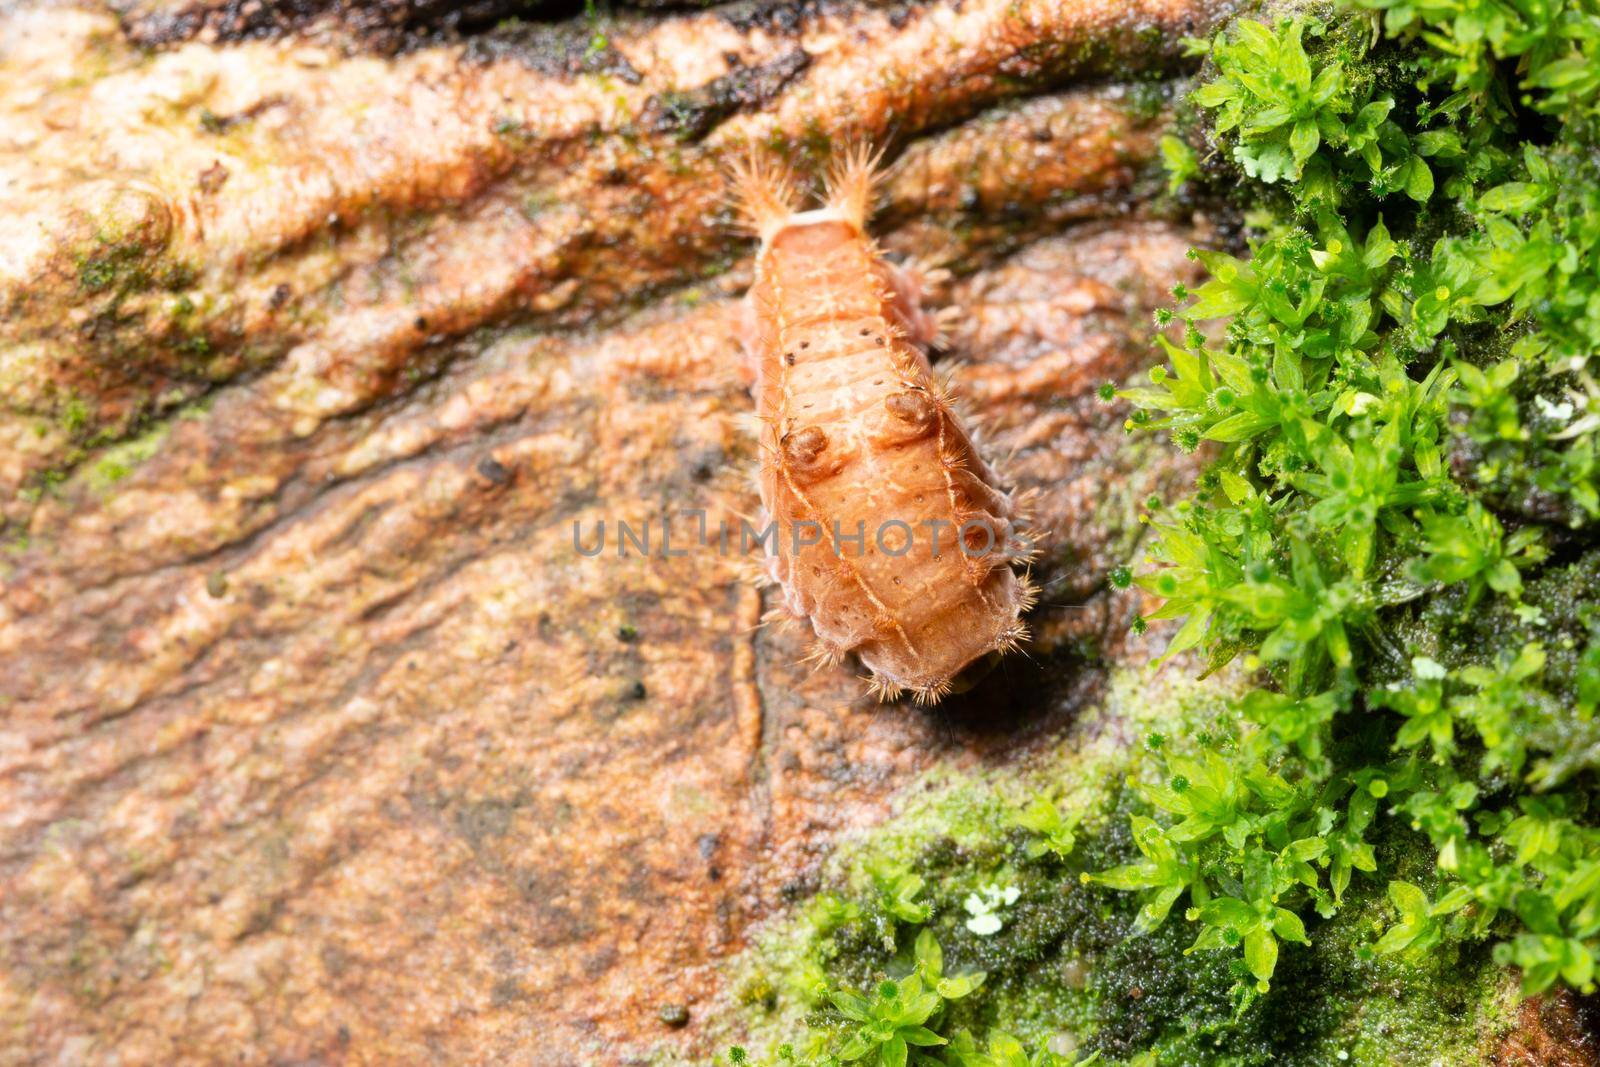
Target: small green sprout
891,1021
930,966
1056,832
897,891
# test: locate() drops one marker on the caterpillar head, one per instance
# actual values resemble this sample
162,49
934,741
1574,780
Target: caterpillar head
768,195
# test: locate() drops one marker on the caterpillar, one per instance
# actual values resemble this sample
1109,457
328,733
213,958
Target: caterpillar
864,460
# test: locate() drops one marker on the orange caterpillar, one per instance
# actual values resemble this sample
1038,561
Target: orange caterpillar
856,437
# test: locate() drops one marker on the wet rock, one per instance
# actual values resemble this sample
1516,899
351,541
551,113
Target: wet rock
1554,1030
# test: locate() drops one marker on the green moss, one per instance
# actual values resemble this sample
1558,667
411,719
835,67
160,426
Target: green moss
1368,534
129,264
74,415
1066,969
117,463
959,827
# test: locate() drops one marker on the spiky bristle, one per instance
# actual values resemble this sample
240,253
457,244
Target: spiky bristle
1028,593
1026,556
926,273
764,191
883,689
945,322
823,655
752,572
1025,504
1012,639
851,179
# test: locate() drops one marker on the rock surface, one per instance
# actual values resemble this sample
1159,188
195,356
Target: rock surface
1553,1031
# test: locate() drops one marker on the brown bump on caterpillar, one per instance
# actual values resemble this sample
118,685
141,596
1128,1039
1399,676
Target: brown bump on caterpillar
913,407
803,447
807,456
908,415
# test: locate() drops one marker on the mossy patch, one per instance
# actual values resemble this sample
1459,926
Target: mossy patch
117,462
1066,971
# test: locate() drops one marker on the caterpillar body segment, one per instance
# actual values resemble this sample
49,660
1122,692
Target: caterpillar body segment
893,536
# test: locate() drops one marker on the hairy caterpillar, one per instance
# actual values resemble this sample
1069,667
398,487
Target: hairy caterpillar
857,437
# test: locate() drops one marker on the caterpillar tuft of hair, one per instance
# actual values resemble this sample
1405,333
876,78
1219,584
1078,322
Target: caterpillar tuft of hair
891,533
